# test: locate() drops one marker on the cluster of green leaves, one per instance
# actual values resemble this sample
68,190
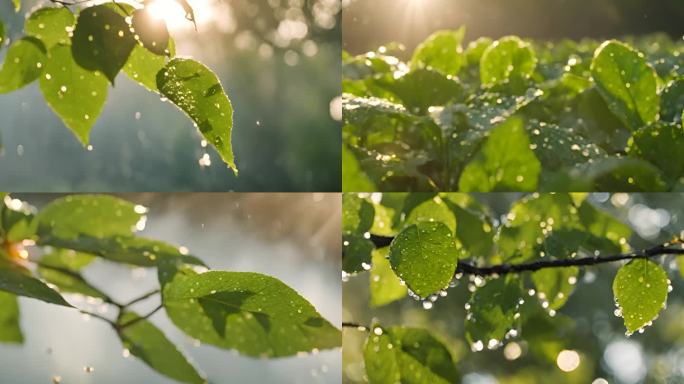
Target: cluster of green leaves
515,115
254,314
432,233
76,55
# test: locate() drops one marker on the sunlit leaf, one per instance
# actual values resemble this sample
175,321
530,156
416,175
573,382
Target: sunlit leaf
627,83
255,314
50,25
148,343
23,64
424,255
102,40
385,286
76,95
506,59
196,90
92,215
353,177
640,290
441,51
433,210
357,214
407,355
660,144
61,268
151,30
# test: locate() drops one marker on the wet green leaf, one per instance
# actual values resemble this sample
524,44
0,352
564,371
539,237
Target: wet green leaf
385,286
410,89
10,330
76,95
492,312
433,210
93,215
102,40
507,59
354,179
23,64
640,288
441,51
424,255
356,253
61,268
554,285
627,83
357,214
407,355
152,31
17,281
255,314
50,25
672,101
505,162
196,90
148,343
660,144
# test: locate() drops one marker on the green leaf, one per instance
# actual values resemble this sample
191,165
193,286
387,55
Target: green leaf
17,281
424,255
122,249
433,210
507,59
385,286
93,215
408,356
356,254
640,288
152,31
354,179
605,228
441,51
660,144
621,174
3,34
148,343
17,5
17,225
492,310
255,314
196,90
409,89
672,101
76,95
61,268
50,25
505,162
143,66
627,83
554,285
475,234
357,214
10,330
102,40
24,61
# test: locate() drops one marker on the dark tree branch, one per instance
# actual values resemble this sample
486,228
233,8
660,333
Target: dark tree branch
466,268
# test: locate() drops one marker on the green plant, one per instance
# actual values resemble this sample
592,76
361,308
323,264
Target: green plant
513,274
515,115
75,54
255,314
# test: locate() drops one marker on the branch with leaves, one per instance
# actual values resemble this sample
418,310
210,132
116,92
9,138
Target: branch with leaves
44,253
518,268
76,51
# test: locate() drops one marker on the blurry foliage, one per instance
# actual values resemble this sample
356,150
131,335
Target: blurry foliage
554,325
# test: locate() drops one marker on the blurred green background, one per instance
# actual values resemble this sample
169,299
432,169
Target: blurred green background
229,231
368,24
586,324
283,78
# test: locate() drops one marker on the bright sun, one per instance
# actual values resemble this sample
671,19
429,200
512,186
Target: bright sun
174,15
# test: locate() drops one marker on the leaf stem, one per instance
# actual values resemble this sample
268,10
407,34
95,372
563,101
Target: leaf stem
138,319
141,298
356,326
466,268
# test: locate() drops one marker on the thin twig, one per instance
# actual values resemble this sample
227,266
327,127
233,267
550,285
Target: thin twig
356,326
138,319
95,315
141,298
466,268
